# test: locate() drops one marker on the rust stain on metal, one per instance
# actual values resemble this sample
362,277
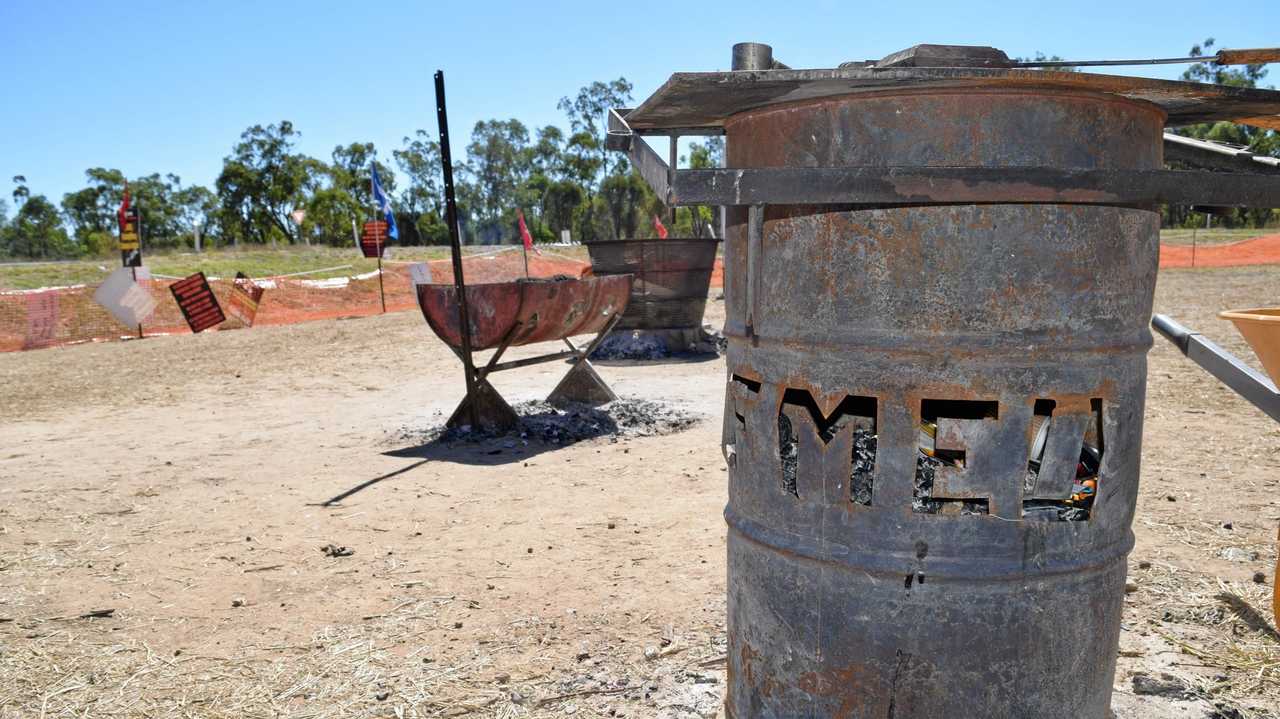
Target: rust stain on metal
970,313
925,190
575,306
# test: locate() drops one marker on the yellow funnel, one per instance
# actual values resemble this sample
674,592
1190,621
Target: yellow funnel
1261,329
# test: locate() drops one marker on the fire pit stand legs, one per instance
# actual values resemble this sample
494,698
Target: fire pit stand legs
581,384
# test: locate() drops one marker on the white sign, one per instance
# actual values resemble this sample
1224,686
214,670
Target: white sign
420,273
124,299
298,216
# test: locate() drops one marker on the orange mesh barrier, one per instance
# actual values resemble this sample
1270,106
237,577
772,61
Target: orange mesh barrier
1257,251
68,315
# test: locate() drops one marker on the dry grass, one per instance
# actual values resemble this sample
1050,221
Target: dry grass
377,667
1224,628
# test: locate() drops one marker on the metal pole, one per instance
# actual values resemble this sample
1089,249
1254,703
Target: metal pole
373,199
673,153
138,229
134,270
451,217
381,293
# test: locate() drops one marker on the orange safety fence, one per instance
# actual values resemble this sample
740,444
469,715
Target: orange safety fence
1257,251
51,317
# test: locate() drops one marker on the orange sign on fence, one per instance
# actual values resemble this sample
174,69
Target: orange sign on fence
244,299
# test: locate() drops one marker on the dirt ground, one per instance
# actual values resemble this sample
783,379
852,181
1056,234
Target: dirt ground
180,481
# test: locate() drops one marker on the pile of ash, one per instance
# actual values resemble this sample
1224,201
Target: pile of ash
547,424
631,346
644,345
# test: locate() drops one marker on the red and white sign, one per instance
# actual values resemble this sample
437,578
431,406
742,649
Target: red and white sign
195,299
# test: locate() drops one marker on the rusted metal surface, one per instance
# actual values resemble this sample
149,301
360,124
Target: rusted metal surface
892,599
522,312
672,277
708,99
545,310
903,185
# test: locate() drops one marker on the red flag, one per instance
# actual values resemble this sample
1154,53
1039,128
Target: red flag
524,234
124,207
660,228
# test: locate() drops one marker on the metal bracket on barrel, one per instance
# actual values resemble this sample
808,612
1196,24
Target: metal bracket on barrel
970,185
648,163
929,185
755,250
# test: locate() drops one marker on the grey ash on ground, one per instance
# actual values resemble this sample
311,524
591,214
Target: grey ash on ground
545,423
642,346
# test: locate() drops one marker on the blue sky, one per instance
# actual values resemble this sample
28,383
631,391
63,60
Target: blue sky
168,86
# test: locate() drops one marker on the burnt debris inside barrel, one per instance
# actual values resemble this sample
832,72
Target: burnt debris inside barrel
939,270
668,295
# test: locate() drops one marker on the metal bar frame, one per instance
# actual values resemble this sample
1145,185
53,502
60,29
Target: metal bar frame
455,246
1240,377
932,185
574,352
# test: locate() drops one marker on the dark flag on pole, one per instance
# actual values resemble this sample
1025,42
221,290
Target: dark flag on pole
124,207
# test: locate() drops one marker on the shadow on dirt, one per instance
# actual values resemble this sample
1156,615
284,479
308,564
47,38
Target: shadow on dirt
542,428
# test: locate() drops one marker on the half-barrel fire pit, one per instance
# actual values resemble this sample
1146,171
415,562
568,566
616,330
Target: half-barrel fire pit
522,312
669,294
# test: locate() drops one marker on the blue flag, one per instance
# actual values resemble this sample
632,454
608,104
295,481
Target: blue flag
384,204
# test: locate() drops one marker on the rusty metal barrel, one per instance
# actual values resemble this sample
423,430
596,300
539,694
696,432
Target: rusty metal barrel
893,549
669,294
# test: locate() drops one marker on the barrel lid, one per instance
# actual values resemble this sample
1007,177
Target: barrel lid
707,99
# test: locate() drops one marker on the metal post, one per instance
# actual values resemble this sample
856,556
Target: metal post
674,155
138,228
381,292
451,217
382,241
134,271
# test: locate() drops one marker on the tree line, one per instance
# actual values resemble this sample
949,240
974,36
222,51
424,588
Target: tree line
268,193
